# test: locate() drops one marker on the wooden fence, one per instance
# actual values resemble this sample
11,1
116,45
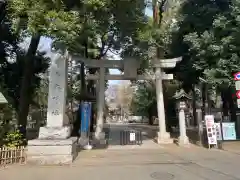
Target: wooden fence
12,155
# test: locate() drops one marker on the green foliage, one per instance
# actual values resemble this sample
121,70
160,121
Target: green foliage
217,48
12,61
11,73
51,18
105,25
13,139
144,98
145,103
194,18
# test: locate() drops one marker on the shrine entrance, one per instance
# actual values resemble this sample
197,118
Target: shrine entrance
54,144
130,67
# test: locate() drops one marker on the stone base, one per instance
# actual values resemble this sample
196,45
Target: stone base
164,138
54,132
183,141
100,138
52,152
83,141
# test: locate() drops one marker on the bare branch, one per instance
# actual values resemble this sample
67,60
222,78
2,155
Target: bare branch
109,45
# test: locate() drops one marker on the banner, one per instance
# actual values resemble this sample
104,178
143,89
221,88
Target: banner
86,108
211,130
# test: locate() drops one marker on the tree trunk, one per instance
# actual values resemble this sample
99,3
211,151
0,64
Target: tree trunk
225,107
203,92
25,94
232,108
150,115
82,75
2,11
194,106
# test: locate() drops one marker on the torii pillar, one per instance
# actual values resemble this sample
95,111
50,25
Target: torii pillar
163,137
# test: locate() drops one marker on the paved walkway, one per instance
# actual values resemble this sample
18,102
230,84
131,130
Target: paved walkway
146,162
232,146
167,162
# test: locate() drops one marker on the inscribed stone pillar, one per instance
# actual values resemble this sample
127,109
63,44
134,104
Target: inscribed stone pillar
54,144
163,135
57,120
183,139
99,134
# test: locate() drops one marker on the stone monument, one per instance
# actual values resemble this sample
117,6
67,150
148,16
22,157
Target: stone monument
54,144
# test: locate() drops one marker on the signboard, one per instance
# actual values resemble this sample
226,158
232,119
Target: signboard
238,103
238,94
182,105
132,136
211,130
218,131
130,68
229,132
237,85
228,129
237,76
86,108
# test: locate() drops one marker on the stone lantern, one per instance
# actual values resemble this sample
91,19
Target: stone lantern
3,103
182,97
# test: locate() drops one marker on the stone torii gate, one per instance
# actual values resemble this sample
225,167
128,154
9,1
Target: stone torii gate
54,144
130,67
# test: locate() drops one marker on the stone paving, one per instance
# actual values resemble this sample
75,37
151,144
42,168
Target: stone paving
232,146
147,162
168,162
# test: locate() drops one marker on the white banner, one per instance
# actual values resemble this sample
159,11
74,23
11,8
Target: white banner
211,130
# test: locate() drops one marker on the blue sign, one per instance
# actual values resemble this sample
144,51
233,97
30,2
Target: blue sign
86,108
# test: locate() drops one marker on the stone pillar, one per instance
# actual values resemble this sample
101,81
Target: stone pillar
99,134
183,139
54,145
163,135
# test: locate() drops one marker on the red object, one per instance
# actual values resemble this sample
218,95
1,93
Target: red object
238,94
237,76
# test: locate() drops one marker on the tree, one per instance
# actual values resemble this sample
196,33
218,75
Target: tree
124,98
144,100
107,26
12,63
217,53
158,35
77,26
37,18
190,20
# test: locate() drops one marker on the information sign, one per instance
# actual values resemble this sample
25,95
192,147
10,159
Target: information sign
228,130
211,130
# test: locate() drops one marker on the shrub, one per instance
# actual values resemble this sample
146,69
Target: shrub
13,139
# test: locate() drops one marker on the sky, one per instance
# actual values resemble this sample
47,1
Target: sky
46,43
